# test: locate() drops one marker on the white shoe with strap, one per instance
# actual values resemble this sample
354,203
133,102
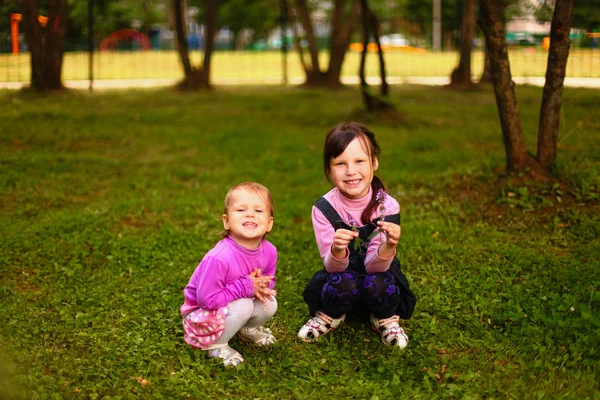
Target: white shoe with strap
259,336
229,356
319,325
391,332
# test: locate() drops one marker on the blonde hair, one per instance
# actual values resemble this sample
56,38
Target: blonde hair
255,187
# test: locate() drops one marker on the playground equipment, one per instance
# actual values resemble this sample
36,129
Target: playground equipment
125,35
14,29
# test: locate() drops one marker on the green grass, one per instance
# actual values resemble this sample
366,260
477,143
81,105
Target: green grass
109,201
266,67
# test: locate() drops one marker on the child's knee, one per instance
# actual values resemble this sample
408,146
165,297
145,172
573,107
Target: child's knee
241,309
269,309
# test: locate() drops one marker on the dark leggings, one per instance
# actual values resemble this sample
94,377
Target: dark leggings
343,289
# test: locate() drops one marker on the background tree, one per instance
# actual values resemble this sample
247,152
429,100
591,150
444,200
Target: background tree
46,42
260,17
344,17
421,14
371,28
492,22
461,75
195,77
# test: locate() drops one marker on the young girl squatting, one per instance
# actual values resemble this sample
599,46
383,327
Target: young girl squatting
357,229
232,289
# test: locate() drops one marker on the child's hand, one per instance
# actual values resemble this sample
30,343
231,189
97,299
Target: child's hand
392,232
261,286
341,240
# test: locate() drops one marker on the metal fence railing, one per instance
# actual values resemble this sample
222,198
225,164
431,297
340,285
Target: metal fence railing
263,62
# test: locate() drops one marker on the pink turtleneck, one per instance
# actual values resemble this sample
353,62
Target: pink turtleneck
324,231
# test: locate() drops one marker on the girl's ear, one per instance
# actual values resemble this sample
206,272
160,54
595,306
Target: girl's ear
375,164
225,222
270,225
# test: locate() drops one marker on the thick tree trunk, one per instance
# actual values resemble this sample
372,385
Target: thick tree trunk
462,74
558,55
491,21
46,44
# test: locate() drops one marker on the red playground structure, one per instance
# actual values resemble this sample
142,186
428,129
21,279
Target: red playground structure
125,35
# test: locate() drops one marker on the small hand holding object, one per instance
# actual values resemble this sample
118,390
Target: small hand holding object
261,286
392,232
341,240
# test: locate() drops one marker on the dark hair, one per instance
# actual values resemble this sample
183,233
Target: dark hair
336,142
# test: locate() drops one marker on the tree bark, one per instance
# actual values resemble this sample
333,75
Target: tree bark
462,74
195,77
46,44
370,23
491,21
486,75
180,30
558,55
341,28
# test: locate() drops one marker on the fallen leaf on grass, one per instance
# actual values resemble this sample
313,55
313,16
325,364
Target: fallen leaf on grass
143,381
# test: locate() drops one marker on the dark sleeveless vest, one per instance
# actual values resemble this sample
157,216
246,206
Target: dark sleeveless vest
312,292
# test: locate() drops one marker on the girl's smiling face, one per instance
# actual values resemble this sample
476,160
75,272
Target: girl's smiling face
352,171
248,218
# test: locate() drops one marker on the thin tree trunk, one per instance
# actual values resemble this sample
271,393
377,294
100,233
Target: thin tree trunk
491,21
462,74
304,14
195,77
370,24
341,28
558,55
182,47
209,37
340,38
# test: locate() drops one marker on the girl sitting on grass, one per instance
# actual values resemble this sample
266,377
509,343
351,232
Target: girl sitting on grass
231,290
357,227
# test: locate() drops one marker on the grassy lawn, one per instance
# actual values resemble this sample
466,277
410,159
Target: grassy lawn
109,200
249,67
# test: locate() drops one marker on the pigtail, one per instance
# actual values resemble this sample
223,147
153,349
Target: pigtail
376,185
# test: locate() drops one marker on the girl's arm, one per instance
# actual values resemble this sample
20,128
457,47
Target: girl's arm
271,261
212,291
324,235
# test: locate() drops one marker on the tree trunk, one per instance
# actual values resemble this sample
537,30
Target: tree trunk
195,77
180,30
558,55
304,15
491,21
486,75
210,24
462,74
370,23
341,28
340,38
46,44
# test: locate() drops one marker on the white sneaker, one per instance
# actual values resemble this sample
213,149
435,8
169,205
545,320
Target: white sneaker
319,325
391,332
230,356
259,336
